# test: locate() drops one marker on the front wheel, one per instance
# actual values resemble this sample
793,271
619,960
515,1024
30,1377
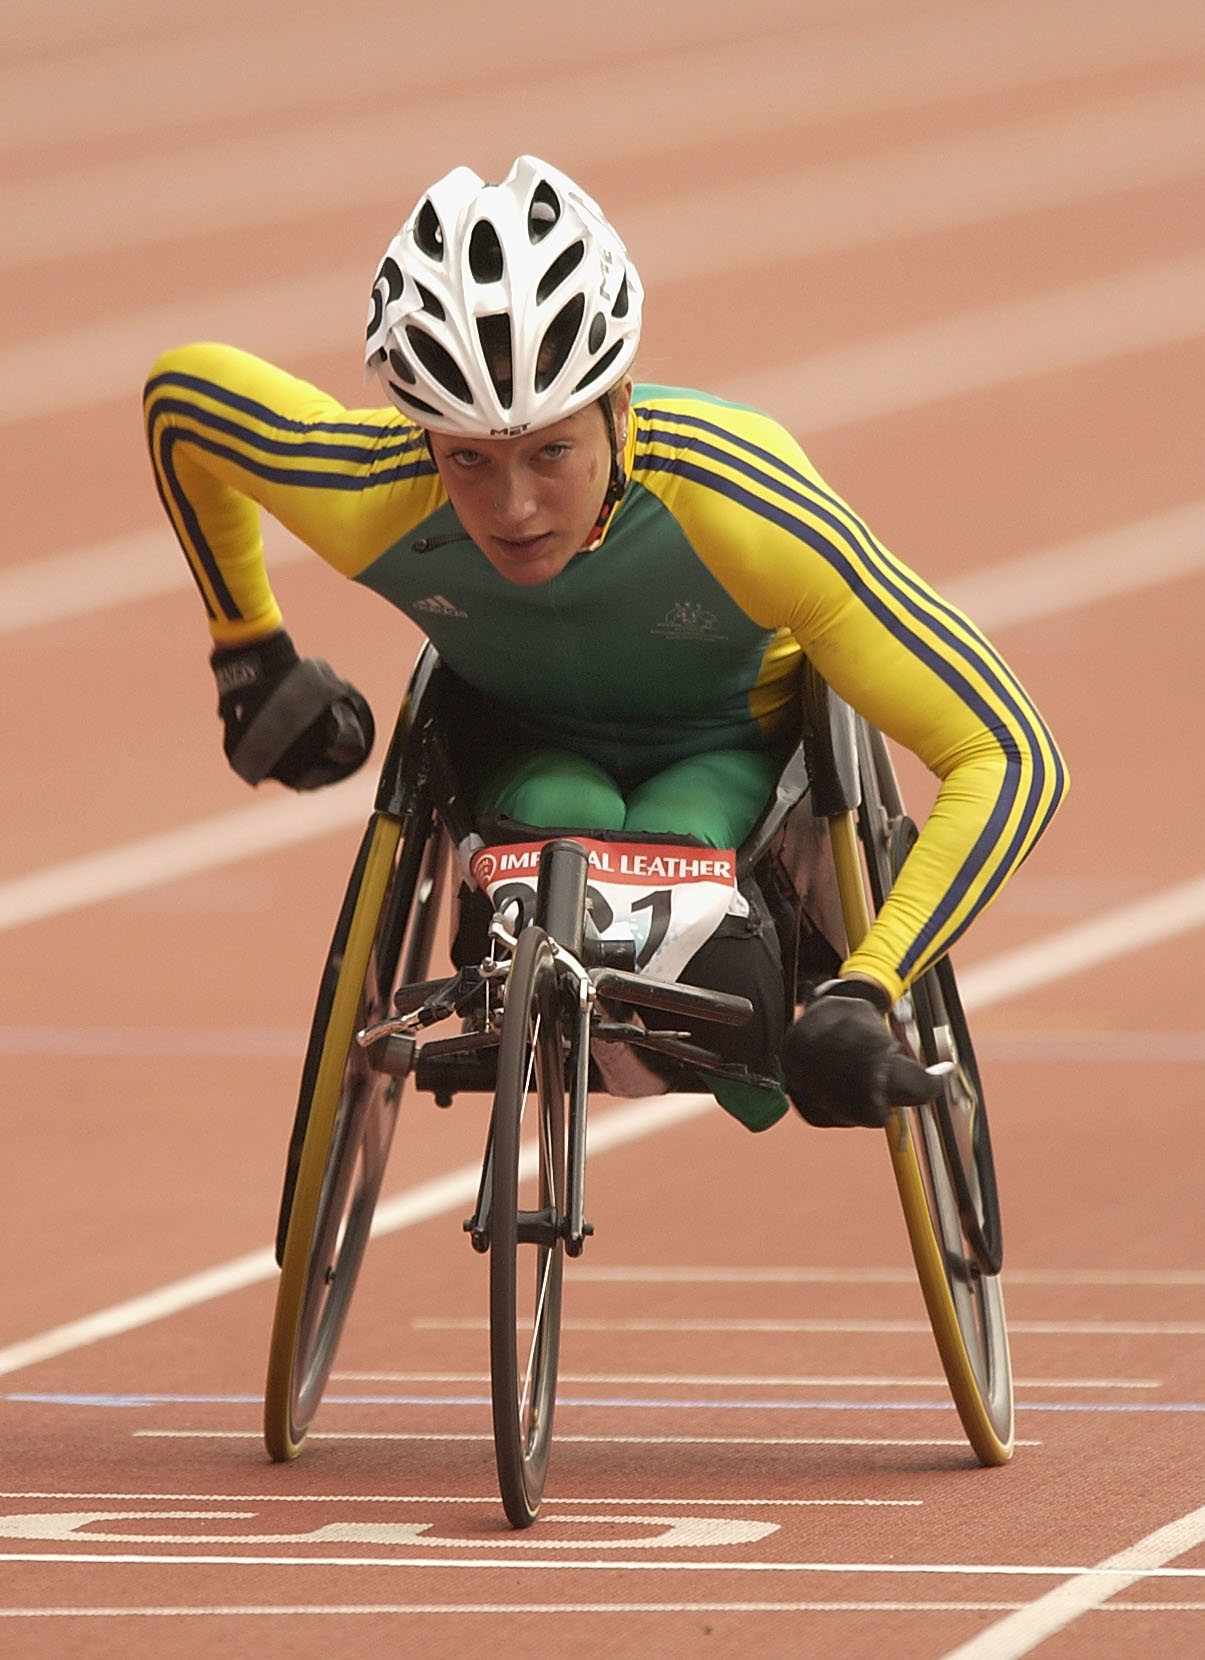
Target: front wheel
527,1208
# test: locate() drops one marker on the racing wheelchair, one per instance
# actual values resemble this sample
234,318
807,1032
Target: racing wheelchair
557,984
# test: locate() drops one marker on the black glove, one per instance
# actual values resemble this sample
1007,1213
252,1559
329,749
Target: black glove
842,1066
288,718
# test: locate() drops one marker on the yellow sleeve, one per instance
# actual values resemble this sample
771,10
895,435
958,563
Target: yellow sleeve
795,557
230,434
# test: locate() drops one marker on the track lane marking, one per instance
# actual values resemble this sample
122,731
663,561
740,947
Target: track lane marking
691,87
863,1327
469,1498
1106,938
299,169
558,1609
926,1441
720,1381
1087,1588
636,1404
479,1564
1139,310
676,1274
456,1609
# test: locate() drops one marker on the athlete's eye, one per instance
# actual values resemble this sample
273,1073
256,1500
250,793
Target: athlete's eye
466,458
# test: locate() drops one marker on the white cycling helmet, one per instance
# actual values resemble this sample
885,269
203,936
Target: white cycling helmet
501,308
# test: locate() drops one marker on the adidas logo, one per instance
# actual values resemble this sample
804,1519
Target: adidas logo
436,605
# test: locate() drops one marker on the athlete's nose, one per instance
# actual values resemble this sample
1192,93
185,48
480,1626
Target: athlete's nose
515,504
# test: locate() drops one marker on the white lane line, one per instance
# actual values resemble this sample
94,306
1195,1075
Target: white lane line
509,1564
557,1609
1074,155
1111,936
625,1503
1142,310
762,1380
560,1609
1060,956
688,87
1100,1048
1108,937
1100,566
653,1274
129,1043
208,844
853,1328
1021,1632
296,170
1155,305
449,1192
118,571
443,1437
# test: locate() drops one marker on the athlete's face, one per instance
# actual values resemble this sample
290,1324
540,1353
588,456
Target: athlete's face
530,503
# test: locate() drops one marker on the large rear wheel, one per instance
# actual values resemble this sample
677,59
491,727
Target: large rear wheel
941,1154
346,1115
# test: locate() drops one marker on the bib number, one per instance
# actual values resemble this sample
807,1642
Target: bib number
668,899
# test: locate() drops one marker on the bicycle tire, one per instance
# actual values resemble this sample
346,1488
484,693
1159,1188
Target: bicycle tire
941,1157
527,1207
346,1116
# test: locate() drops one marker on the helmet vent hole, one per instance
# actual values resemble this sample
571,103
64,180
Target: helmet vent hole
544,211
439,363
494,334
485,253
559,270
410,401
599,369
622,300
401,367
428,232
431,305
598,331
558,342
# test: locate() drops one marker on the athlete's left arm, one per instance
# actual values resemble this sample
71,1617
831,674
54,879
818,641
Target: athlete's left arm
795,556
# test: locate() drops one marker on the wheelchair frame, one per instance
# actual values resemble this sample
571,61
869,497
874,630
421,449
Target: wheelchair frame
540,990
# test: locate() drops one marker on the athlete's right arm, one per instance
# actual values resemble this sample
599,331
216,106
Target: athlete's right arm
229,434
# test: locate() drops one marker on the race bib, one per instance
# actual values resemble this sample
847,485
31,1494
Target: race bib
668,899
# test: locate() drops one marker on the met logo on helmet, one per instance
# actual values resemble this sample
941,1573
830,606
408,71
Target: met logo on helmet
509,432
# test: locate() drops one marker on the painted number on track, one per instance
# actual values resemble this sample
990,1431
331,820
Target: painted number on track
664,1532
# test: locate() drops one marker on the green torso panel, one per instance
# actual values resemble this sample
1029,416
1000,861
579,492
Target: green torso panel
634,655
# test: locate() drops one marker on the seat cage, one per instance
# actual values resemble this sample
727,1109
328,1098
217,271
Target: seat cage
786,853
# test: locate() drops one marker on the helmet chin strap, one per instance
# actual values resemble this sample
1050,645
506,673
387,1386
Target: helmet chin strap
617,483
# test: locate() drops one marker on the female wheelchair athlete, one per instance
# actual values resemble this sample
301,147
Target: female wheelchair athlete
537,1014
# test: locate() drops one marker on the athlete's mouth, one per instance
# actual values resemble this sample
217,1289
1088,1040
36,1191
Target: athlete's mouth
522,547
